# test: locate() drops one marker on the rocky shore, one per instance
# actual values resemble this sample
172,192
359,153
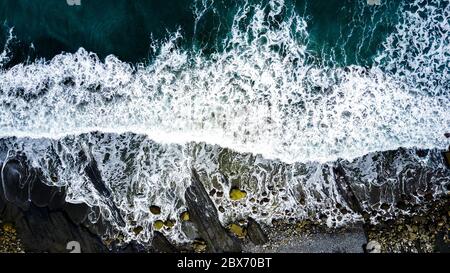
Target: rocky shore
36,218
422,233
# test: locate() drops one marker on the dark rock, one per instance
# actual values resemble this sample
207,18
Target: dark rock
41,230
255,233
138,230
77,212
58,199
441,245
41,194
392,178
97,225
68,81
95,176
344,188
447,158
47,223
11,213
205,217
15,182
131,247
155,210
2,201
160,244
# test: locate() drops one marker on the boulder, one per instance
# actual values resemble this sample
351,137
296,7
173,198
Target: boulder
160,244
41,194
58,199
447,158
255,233
15,182
44,221
41,230
77,212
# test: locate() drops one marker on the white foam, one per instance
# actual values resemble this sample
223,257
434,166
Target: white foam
249,98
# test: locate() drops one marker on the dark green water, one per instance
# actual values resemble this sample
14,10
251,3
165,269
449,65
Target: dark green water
348,31
117,27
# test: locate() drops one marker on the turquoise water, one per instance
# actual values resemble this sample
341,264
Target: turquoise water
349,31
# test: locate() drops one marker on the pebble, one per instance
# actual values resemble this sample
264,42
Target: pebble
158,224
373,247
185,216
155,210
237,230
237,194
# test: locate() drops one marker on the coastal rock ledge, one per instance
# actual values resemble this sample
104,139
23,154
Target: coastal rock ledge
35,217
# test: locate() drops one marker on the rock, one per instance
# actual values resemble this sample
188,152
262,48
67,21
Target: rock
237,230
447,158
94,175
236,194
9,243
185,216
442,245
77,212
373,247
44,221
92,171
402,181
138,230
205,217
8,228
255,233
2,199
160,244
41,194
41,230
199,246
158,224
155,210
131,247
169,223
189,230
15,182
58,199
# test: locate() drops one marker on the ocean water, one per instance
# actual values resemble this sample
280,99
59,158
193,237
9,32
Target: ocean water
264,95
